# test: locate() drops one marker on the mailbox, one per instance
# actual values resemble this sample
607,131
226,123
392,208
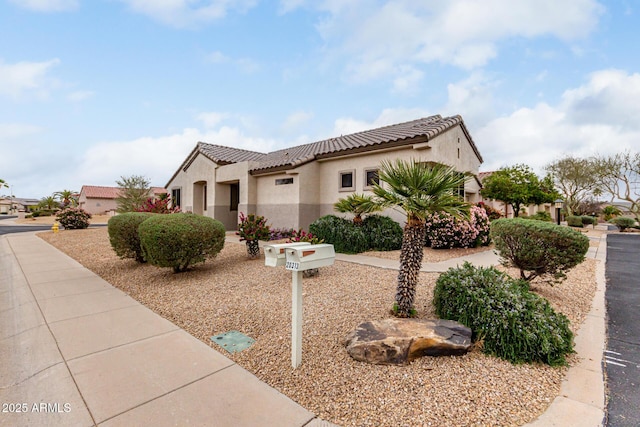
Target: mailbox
302,258
275,256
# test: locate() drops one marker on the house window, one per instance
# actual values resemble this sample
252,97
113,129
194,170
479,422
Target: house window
347,180
460,190
235,196
284,181
175,197
371,178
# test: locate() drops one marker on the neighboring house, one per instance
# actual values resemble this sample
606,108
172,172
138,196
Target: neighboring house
102,200
295,186
507,210
16,204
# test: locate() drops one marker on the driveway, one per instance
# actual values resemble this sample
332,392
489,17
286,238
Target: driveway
622,355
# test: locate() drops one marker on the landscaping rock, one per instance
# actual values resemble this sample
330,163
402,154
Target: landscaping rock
399,341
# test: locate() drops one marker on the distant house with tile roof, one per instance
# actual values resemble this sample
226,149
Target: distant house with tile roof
96,199
294,186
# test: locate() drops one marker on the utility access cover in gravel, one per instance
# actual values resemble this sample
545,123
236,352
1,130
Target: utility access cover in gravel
233,341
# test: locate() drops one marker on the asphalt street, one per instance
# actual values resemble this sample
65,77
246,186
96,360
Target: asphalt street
622,355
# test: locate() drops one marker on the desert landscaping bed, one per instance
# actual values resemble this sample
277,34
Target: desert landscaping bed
234,293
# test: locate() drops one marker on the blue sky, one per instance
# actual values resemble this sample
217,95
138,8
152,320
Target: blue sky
94,90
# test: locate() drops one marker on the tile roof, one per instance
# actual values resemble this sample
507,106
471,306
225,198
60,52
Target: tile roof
99,192
392,135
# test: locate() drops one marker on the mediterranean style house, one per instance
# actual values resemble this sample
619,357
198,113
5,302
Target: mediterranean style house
294,186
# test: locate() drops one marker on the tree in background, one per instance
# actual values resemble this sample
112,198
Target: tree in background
134,191
3,184
575,179
417,189
49,203
518,186
67,198
619,175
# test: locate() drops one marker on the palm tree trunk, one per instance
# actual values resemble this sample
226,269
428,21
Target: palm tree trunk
410,264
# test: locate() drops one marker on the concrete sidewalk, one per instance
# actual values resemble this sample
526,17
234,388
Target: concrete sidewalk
78,352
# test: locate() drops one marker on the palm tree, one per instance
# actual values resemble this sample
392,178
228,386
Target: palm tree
3,183
417,189
48,202
358,205
66,197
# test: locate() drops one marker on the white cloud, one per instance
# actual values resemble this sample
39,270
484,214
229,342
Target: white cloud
47,5
377,41
21,77
296,120
472,98
389,116
157,158
245,65
211,119
595,118
183,13
80,96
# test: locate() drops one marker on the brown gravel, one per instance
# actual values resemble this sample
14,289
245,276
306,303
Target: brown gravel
432,255
233,293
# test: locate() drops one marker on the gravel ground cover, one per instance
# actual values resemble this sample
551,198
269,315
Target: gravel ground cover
234,293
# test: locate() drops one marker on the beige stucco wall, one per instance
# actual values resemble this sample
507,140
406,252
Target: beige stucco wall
96,206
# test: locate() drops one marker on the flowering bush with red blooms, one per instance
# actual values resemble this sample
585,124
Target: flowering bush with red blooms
303,236
160,205
253,227
445,232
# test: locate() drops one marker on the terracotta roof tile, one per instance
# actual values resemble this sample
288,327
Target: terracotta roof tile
428,127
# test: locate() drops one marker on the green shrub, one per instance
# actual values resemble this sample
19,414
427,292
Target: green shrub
587,220
538,249
180,240
512,322
42,212
383,233
539,216
375,233
123,234
574,221
73,218
623,222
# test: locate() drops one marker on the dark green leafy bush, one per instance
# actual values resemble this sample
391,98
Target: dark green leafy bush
574,221
512,322
587,220
539,216
623,222
123,234
73,218
42,212
375,233
538,249
180,240
383,233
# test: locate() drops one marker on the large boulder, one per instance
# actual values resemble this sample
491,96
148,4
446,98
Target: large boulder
399,341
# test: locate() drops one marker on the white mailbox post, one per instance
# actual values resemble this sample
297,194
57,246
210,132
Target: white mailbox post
274,255
298,259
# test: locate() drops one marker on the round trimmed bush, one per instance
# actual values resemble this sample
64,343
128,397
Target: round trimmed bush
537,248
180,240
73,218
623,222
123,234
574,221
512,322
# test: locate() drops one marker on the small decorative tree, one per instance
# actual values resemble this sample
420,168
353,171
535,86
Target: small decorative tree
161,205
252,229
358,205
